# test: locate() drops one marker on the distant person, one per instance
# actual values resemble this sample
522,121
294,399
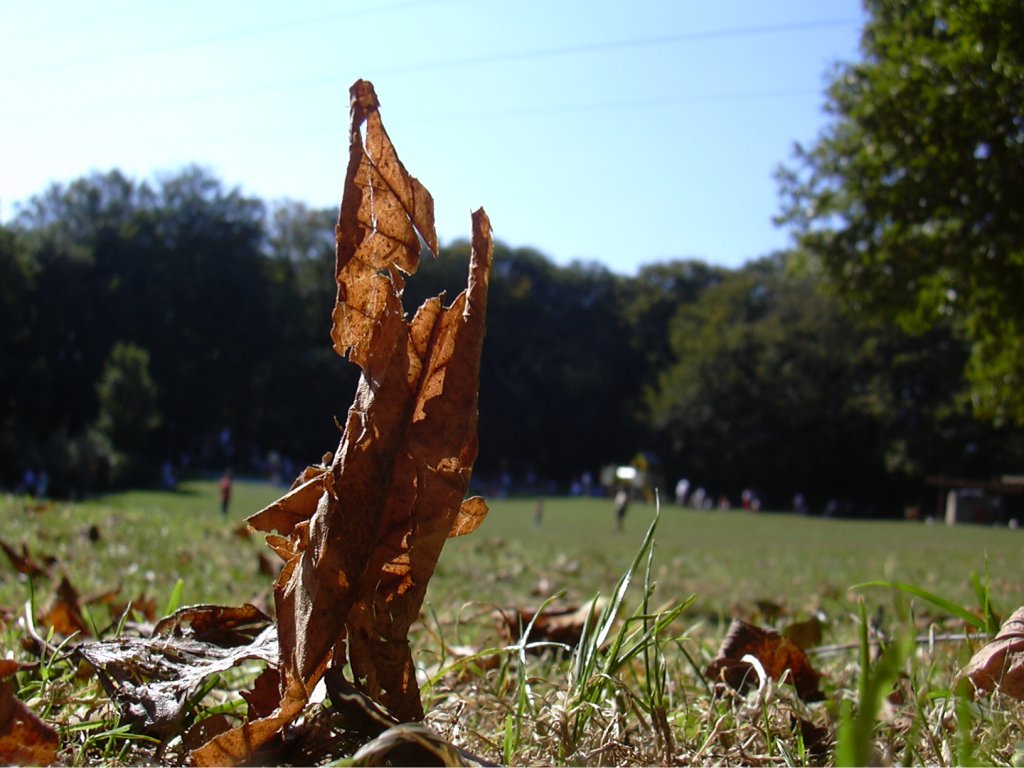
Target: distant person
225,492
28,481
167,479
682,488
621,506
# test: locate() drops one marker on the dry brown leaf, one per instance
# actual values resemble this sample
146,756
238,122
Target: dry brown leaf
804,634
152,679
24,738
1000,663
360,534
226,626
23,562
64,612
144,605
555,625
240,744
779,656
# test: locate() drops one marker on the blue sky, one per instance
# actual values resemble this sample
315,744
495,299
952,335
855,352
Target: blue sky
619,132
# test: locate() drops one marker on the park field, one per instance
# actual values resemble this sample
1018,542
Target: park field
767,568
729,560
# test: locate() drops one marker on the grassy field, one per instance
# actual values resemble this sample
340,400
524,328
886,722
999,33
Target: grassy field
768,568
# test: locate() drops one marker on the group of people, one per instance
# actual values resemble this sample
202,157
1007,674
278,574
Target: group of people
701,499
34,483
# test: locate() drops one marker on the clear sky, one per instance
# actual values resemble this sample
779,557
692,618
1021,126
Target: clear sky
621,132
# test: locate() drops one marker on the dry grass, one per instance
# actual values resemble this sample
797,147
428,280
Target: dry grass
636,696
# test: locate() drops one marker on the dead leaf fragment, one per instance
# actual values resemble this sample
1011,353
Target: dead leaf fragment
999,664
557,625
779,656
804,634
226,626
152,679
64,612
24,738
23,562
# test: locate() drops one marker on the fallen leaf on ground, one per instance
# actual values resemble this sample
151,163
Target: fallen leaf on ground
999,664
559,625
805,634
780,657
145,606
24,738
24,563
152,679
64,612
226,626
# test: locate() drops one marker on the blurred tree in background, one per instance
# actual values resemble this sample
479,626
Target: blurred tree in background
180,321
911,198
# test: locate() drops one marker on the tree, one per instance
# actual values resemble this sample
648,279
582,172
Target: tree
128,399
18,357
757,394
911,197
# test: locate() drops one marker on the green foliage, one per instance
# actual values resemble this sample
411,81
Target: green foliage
763,370
733,378
911,197
855,737
128,398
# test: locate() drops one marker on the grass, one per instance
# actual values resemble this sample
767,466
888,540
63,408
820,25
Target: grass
633,692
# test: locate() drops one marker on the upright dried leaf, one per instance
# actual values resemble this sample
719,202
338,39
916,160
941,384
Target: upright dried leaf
360,536
427,487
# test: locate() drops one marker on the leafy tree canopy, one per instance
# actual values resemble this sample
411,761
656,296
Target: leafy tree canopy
911,197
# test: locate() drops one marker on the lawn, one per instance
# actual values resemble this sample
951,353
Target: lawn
769,568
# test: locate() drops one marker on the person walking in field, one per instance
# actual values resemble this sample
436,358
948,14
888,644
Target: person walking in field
621,505
225,492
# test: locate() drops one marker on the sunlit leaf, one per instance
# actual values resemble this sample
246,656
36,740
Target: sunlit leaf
999,664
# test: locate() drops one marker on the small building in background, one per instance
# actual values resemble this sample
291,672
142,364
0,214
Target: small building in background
999,501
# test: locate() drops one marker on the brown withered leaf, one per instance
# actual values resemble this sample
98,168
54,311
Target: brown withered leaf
64,612
999,664
226,626
23,562
360,534
24,738
152,679
804,634
554,625
144,605
778,655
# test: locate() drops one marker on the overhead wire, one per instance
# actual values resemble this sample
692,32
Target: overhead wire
219,94
234,34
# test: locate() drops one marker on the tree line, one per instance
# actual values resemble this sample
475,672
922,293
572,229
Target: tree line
180,322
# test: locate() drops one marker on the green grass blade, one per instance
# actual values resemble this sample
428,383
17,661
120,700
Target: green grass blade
854,742
174,602
940,602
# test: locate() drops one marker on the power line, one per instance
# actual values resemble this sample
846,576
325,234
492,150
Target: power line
210,39
622,44
248,134
505,56
494,58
